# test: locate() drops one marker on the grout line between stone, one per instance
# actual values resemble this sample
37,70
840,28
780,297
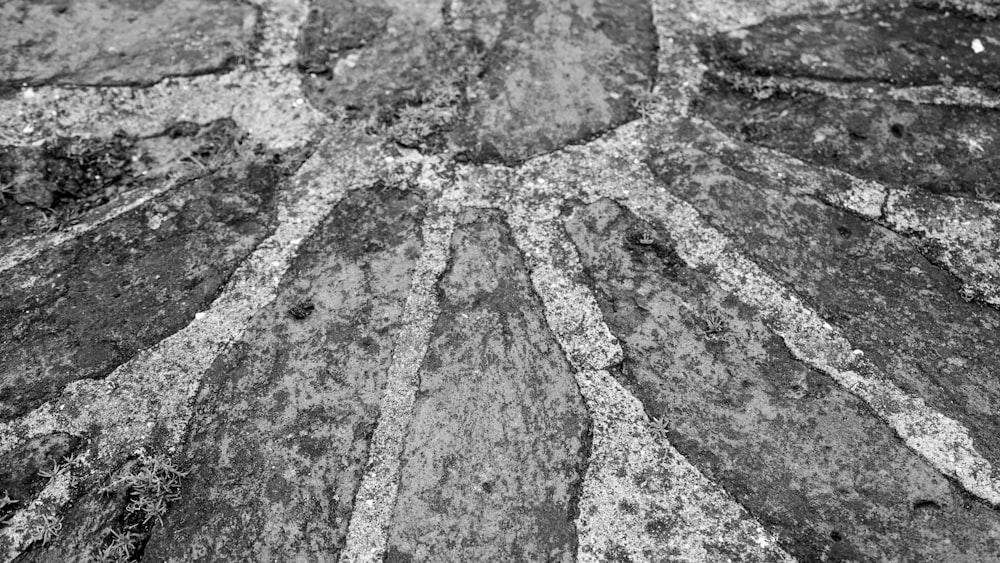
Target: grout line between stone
156,388
945,443
24,249
628,466
367,535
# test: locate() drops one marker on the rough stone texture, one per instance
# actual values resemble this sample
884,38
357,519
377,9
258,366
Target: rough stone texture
902,45
358,54
35,182
19,469
284,419
118,42
559,73
942,149
47,187
500,434
496,81
503,461
863,279
81,309
802,454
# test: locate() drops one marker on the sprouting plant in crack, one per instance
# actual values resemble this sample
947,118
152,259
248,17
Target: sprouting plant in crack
759,89
714,325
646,238
56,471
45,528
6,190
649,105
658,427
119,546
150,485
6,501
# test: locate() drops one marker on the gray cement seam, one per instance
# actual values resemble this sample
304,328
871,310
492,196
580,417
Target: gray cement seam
281,22
943,442
367,534
968,230
265,99
599,169
27,248
155,388
624,452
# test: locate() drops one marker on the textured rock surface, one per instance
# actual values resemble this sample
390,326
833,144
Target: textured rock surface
92,42
497,81
282,425
903,45
868,281
751,417
568,280
80,310
499,436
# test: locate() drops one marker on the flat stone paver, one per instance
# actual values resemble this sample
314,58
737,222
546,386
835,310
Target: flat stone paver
870,282
80,310
117,42
494,81
798,451
290,409
498,442
513,280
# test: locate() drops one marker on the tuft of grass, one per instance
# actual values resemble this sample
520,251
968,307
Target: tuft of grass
714,325
648,104
150,485
119,547
419,120
658,427
45,528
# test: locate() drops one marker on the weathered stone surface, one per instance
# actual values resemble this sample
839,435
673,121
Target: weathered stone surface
905,313
284,419
119,42
83,308
357,55
500,434
937,148
19,470
941,148
802,454
559,73
903,45
43,186
48,186
496,81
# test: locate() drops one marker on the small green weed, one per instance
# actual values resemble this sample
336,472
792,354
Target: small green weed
150,485
649,105
658,427
714,325
46,528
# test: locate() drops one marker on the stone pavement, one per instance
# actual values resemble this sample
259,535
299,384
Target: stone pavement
514,280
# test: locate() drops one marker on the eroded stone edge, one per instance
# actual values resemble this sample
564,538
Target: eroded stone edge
24,249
